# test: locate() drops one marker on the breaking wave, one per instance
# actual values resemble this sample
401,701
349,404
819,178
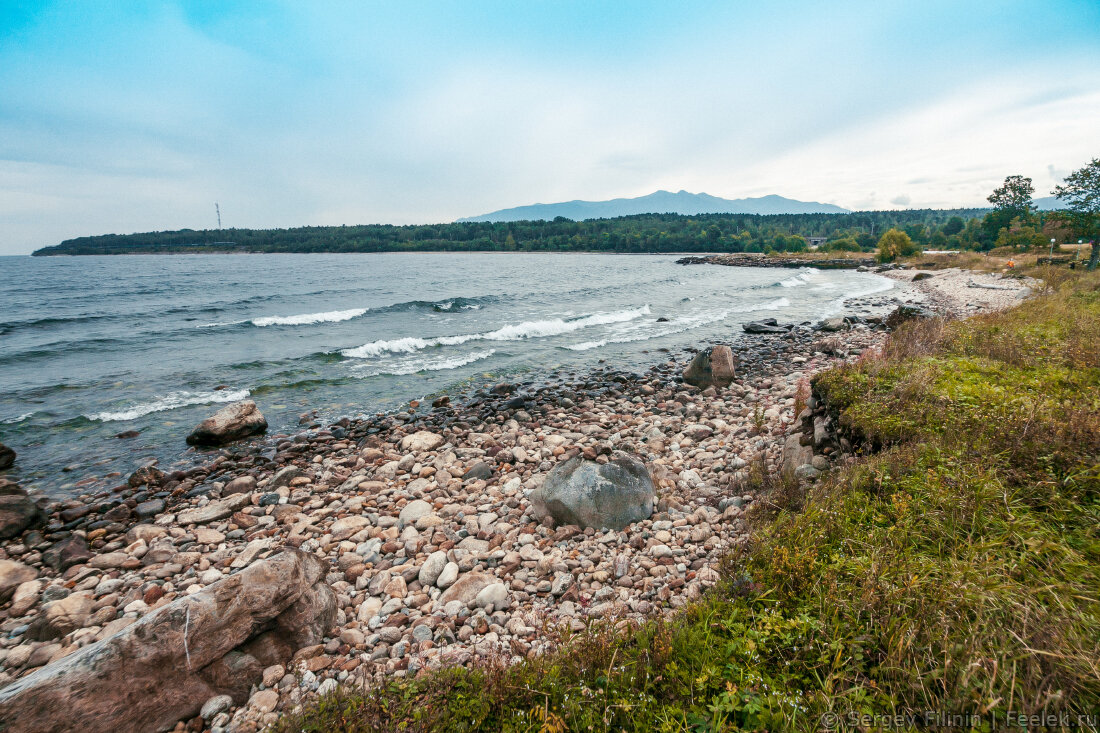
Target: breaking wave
512,332
430,365
170,402
306,319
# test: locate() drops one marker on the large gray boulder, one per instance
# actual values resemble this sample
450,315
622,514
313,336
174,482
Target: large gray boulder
234,422
162,668
795,455
590,494
713,366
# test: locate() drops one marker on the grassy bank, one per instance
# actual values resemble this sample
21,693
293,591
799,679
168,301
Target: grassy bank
955,568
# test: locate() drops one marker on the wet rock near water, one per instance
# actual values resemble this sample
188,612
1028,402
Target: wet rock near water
239,420
767,325
7,457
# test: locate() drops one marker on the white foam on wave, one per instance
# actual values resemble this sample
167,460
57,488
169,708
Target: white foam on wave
804,276
397,346
171,402
305,319
585,346
770,305
647,331
431,365
20,418
878,285
512,332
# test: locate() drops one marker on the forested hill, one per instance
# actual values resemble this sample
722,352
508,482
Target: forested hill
641,233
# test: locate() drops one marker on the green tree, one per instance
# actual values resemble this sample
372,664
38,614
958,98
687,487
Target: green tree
1081,194
1014,197
893,244
1020,236
954,225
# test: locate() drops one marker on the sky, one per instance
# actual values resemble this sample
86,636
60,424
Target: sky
140,115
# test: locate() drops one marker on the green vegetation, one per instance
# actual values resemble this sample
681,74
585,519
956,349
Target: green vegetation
954,568
1081,193
895,243
643,233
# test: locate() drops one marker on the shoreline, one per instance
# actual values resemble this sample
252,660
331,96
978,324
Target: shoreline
341,492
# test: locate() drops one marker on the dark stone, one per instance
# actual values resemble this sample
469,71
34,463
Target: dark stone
66,553
767,325
151,508
7,457
17,511
146,476
120,513
76,512
480,470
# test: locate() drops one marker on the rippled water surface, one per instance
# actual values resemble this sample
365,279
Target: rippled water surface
91,347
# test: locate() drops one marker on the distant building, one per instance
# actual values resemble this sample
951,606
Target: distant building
815,242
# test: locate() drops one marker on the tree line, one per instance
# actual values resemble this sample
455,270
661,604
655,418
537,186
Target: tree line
643,233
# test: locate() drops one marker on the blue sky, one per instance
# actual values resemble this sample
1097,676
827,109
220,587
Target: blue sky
138,116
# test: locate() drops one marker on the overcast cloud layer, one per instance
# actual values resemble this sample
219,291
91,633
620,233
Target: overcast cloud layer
124,117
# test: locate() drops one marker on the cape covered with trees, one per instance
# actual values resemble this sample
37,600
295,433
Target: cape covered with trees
953,228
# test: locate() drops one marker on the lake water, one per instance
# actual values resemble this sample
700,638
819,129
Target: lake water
91,347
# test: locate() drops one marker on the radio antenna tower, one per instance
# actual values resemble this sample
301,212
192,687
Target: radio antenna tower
218,211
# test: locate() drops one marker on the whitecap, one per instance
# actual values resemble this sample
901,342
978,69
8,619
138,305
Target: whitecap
305,319
170,402
587,345
20,418
770,305
511,332
376,348
804,276
431,365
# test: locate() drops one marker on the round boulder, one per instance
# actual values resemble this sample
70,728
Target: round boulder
590,494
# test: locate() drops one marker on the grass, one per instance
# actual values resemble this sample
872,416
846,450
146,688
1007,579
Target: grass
954,568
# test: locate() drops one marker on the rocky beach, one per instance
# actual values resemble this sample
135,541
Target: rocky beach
351,552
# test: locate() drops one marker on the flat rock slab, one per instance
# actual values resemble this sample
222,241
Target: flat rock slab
162,668
215,510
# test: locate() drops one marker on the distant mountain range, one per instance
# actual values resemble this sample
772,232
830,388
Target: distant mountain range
659,202
1049,204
